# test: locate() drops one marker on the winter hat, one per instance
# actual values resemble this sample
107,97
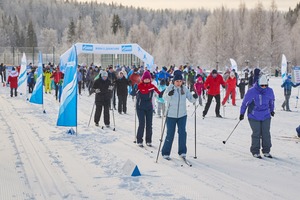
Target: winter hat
199,79
104,73
263,80
146,75
256,72
121,72
214,71
177,75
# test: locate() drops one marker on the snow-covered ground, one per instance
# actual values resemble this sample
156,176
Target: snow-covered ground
40,161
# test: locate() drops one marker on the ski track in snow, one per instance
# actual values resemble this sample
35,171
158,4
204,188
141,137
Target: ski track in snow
51,164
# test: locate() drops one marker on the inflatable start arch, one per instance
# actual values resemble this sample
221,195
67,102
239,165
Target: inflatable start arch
89,48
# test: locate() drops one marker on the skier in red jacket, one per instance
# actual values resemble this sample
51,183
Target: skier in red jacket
212,84
231,85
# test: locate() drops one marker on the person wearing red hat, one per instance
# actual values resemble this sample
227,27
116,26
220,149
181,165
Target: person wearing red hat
144,107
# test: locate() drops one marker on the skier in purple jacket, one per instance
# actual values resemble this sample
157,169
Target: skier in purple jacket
260,103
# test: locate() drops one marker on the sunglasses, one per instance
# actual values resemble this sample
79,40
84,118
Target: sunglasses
263,86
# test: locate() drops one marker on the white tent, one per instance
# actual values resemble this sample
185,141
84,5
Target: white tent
88,48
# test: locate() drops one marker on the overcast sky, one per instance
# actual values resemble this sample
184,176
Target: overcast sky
282,5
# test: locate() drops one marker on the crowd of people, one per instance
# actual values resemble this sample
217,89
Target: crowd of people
164,93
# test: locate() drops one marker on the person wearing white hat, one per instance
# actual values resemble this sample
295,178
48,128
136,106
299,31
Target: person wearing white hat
259,100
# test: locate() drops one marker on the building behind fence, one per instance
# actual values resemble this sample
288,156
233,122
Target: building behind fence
13,55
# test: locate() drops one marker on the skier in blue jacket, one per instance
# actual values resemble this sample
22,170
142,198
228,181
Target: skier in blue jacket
287,85
260,103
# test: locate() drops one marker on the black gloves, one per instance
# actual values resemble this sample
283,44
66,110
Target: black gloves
195,95
161,94
171,92
272,113
241,117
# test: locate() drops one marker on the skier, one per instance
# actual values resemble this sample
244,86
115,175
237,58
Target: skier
212,84
242,86
160,101
230,89
103,90
199,88
12,80
260,103
176,95
287,85
122,92
144,108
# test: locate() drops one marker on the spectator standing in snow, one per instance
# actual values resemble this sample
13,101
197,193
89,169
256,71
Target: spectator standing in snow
176,95
230,89
212,84
260,103
144,108
12,80
103,90
287,86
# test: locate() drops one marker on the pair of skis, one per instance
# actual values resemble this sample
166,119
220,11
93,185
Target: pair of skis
188,163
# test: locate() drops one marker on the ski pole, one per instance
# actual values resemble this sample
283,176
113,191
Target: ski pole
134,101
297,97
162,132
113,114
195,109
224,142
195,132
91,114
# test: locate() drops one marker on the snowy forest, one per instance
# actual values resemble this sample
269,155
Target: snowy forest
199,37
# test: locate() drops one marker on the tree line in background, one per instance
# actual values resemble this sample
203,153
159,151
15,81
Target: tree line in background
201,37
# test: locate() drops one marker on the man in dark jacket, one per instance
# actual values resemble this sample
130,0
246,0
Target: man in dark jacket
122,92
103,90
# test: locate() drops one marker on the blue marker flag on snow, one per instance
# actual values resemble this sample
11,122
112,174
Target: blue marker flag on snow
37,93
67,115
